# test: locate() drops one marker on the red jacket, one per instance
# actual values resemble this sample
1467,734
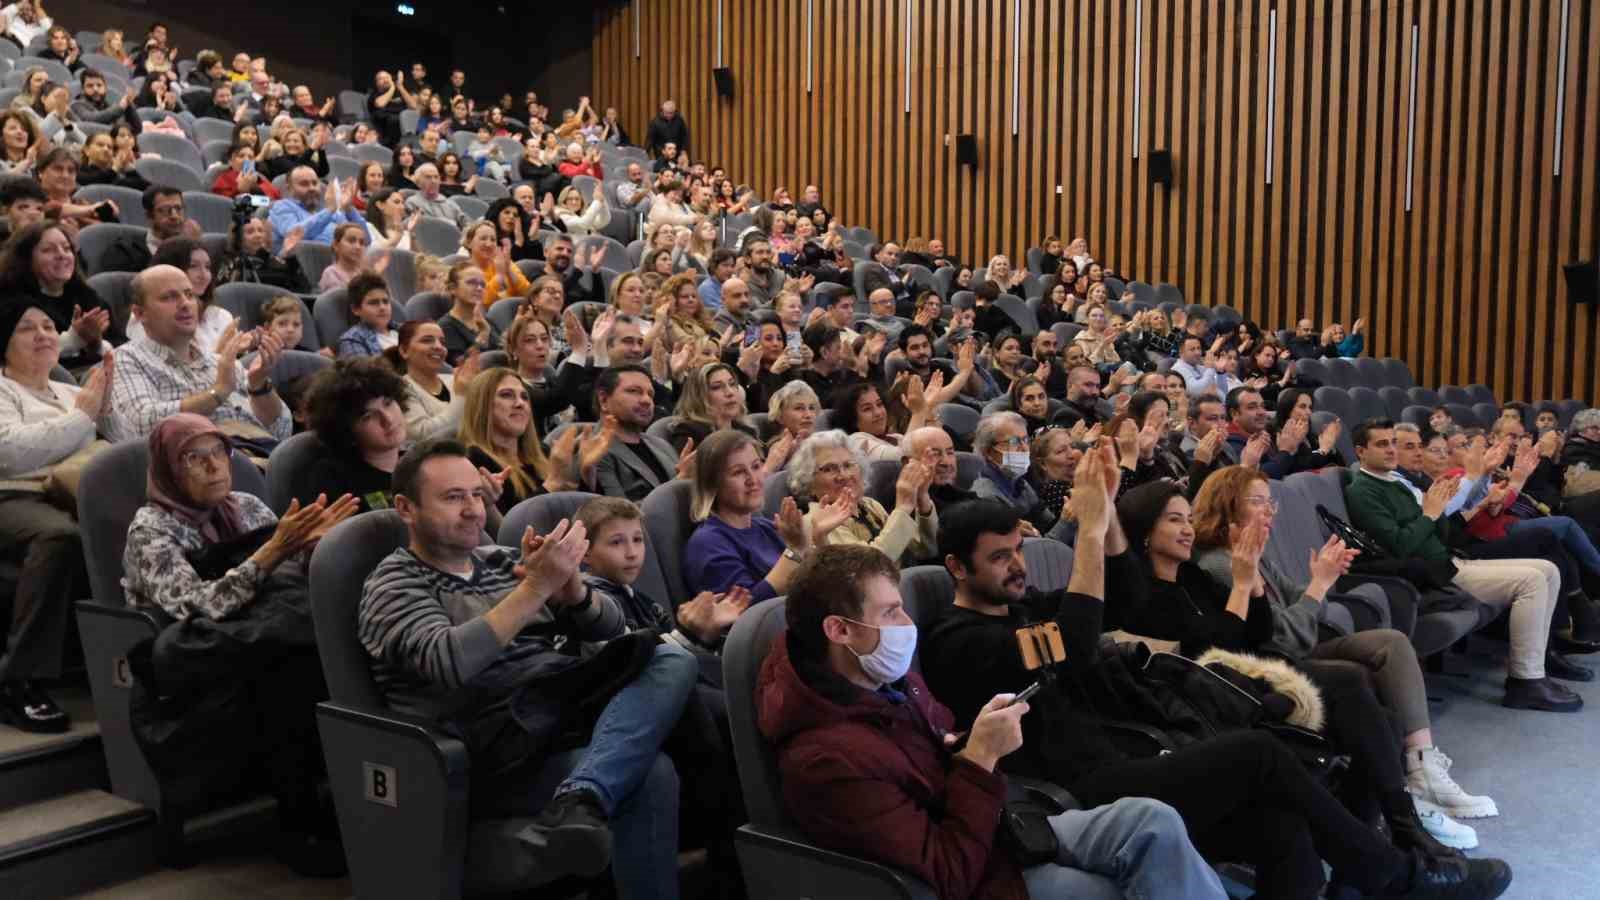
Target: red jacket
872,778
571,169
227,184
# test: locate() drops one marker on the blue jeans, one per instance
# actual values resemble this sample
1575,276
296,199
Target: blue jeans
1572,536
1134,847
624,767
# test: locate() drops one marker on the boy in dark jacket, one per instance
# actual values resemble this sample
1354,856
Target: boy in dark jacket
870,767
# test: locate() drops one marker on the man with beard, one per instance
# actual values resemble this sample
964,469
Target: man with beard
93,105
1045,346
577,277
757,272
636,463
618,340
1083,398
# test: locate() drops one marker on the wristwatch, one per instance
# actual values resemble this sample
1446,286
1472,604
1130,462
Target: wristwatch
790,553
265,389
219,395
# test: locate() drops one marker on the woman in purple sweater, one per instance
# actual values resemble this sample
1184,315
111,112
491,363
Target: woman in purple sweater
733,545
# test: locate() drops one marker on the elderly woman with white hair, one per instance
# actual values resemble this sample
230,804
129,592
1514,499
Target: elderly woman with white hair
825,469
1002,442
792,413
1580,457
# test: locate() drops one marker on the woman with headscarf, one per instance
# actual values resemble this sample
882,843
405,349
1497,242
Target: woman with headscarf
219,564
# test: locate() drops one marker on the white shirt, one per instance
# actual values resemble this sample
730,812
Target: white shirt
38,430
23,31
1198,379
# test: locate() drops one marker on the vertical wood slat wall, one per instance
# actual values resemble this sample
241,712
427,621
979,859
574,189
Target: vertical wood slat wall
1466,286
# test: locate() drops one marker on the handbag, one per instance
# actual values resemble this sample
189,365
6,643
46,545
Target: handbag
61,486
1353,537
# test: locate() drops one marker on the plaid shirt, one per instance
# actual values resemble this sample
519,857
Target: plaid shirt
151,382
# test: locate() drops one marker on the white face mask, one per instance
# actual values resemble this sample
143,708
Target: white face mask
1014,462
890,662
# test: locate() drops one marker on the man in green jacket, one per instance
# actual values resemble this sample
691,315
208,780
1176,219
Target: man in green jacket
1410,524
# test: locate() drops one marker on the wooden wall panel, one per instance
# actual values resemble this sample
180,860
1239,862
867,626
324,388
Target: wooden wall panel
1466,286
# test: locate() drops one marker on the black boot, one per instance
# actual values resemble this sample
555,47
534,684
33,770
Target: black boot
1558,666
1456,878
1406,829
1585,615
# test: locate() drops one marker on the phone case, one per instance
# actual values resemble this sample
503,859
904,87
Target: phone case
1040,645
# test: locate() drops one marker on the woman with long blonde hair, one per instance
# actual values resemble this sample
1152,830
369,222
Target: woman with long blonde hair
498,431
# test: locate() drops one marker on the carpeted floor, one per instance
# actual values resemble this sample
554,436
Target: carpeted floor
1540,768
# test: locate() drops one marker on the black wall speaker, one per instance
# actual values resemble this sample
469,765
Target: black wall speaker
1161,167
1583,282
967,150
724,79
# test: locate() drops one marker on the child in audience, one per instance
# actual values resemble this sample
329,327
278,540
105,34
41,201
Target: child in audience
431,271
616,556
369,306
284,316
486,155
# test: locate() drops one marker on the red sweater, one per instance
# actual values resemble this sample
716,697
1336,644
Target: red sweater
227,185
871,778
570,169
1486,526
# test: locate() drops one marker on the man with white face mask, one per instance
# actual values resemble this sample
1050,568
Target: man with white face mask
854,725
1002,441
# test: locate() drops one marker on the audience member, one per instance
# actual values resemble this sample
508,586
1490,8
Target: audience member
216,324
734,546
39,266
356,407
856,729
527,613
200,551
825,475
497,430
1001,442
47,431
465,325
635,463
367,303
435,399
1409,524
314,209
710,400
667,128
166,372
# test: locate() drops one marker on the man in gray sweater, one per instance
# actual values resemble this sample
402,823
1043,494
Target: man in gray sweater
488,641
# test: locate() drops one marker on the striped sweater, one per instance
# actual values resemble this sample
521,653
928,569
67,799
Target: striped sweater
435,656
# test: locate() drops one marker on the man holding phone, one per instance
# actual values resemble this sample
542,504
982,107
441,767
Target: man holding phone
856,729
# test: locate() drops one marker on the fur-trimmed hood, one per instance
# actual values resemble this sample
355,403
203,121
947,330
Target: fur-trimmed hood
1285,679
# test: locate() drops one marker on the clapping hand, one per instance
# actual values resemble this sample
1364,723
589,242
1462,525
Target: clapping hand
91,326
94,399
828,516
792,527
686,460
1254,449
1328,564
708,615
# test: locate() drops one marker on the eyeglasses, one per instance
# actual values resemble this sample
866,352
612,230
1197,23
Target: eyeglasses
839,468
196,460
1263,503
1013,443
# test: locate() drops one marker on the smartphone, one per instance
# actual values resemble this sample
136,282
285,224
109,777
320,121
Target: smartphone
793,341
248,167
751,334
1025,695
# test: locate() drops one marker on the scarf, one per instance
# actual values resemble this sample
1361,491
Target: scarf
164,484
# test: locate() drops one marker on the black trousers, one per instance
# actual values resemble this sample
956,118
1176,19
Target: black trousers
1358,724
1245,797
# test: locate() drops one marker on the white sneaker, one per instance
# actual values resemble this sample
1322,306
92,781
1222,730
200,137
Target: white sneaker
1428,778
1444,829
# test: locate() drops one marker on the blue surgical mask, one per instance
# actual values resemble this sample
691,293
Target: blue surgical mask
890,662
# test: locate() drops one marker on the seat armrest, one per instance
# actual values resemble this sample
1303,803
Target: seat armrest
108,633
1403,598
781,865
1054,793
400,787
